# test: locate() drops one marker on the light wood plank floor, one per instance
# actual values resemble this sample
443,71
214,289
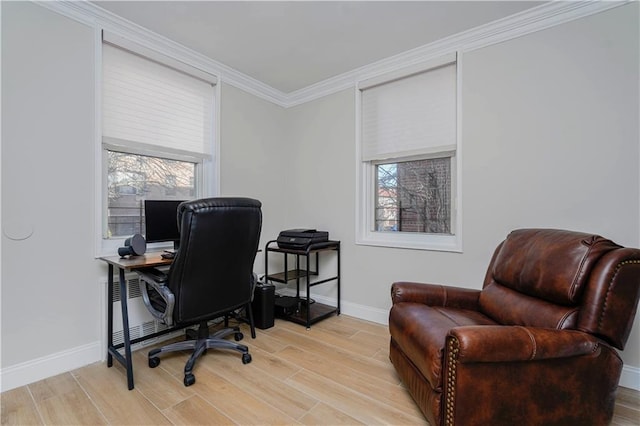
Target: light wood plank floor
336,373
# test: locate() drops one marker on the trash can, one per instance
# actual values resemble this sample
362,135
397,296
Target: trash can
263,304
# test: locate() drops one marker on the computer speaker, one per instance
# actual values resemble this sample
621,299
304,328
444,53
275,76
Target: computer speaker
133,246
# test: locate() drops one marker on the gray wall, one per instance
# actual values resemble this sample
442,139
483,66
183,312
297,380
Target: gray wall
254,148
49,275
550,138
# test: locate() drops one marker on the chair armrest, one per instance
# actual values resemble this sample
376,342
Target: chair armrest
516,343
157,280
152,275
435,295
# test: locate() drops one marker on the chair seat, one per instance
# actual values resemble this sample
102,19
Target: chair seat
420,331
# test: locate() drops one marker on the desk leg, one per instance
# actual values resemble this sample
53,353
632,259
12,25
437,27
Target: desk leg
112,352
125,330
110,317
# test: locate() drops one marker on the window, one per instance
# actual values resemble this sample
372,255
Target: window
133,178
414,196
408,158
157,134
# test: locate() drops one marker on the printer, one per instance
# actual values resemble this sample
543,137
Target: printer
300,239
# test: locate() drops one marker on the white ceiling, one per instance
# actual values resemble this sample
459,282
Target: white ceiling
294,44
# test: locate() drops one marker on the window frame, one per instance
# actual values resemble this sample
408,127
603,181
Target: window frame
207,173
198,161
366,178
438,155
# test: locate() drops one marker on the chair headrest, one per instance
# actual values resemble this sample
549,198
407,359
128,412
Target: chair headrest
547,263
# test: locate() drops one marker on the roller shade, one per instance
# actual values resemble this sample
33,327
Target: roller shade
410,116
147,103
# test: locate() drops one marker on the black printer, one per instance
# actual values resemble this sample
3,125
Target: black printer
300,239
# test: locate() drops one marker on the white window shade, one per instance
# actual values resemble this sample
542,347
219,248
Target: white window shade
151,104
410,116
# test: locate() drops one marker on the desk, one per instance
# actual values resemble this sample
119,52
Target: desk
125,265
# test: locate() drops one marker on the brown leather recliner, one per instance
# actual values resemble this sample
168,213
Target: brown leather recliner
534,346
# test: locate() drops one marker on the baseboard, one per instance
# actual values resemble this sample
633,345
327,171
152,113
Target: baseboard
630,377
41,368
380,316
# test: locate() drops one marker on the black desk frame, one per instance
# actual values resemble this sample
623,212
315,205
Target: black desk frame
124,265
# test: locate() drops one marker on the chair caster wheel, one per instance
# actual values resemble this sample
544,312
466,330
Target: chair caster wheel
246,358
238,336
154,362
189,379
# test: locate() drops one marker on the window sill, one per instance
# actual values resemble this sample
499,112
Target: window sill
447,243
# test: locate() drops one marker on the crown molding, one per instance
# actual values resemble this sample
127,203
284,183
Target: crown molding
101,19
535,19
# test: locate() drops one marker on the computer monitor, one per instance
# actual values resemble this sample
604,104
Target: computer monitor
161,221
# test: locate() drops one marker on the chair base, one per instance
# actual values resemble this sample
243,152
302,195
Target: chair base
199,346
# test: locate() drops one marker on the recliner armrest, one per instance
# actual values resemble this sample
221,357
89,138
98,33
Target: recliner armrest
435,295
517,343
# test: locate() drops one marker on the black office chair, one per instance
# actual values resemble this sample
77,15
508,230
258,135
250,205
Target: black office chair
211,276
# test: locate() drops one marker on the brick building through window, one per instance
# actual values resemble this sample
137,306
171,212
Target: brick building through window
414,196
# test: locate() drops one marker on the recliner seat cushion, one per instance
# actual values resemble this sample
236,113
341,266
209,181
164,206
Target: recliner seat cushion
420,332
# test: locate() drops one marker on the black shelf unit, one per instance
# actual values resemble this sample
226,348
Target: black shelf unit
307,312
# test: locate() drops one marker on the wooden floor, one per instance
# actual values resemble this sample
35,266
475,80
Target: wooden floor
338,372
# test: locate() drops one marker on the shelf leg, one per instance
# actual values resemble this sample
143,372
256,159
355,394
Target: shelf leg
308,294
338,250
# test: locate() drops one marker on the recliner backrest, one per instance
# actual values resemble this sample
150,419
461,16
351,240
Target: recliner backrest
212,272
556,279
